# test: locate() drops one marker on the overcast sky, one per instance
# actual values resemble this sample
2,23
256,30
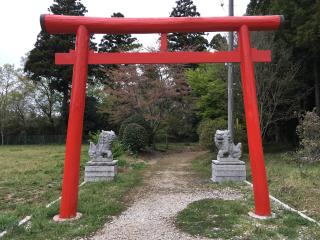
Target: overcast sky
19,19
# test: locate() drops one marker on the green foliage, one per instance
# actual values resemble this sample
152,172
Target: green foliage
118,42
219,43
136,118
309,134
118,148
94,137
207,129
40,60
208,84
135,137
300,35
183,41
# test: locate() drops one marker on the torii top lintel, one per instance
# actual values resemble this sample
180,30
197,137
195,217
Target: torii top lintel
60,24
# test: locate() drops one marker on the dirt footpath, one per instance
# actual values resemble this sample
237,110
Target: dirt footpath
168,188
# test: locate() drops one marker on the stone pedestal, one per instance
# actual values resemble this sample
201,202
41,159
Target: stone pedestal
96,171
228,170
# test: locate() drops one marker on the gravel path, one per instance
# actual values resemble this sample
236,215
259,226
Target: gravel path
167,189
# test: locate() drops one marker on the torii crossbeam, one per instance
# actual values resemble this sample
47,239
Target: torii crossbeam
82,56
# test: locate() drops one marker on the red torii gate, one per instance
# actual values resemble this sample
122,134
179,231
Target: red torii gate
82,56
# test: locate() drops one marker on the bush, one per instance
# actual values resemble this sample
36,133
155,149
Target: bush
207,129
136,118
309,135
94,137
135,137
117,149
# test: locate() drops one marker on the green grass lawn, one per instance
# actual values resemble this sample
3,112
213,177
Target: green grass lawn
298,186
30,178
292,184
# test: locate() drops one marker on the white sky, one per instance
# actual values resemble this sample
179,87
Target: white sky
19,19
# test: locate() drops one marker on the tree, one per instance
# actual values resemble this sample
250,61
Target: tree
219,42
46,100
301,33
184,41
148,90
208,85
115,43
40,61
118,42
309,136
8,81
277,88
299,37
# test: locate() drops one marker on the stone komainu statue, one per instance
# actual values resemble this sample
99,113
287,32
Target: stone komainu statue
225,145
102,150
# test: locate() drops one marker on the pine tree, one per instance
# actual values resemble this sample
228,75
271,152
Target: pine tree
40,61
114,43
184,41
118,42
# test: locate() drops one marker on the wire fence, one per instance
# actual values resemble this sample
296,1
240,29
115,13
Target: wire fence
37,139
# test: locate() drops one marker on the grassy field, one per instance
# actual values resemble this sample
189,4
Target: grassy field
30,178
295,185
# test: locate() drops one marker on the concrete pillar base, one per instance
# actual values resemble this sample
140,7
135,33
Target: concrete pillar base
57,218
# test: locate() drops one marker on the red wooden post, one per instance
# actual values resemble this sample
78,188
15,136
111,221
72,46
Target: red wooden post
259,176
163,42
68,207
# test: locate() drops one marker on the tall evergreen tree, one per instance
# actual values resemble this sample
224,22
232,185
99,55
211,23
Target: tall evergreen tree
301,32
114,43
184,41
300,36
118,42
40,61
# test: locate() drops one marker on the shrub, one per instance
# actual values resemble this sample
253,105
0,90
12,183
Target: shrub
207,129
309,134
136,118
134,137
94,137
117,149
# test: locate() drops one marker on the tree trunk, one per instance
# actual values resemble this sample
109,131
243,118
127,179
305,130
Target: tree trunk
52,125
277,133
316,86
2,137
167,144
65,109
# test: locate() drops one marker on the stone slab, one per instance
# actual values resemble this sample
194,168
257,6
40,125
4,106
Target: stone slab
100,174
97,179
100,168
229,162
100,171
228,167
228,171
102,163
219,179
